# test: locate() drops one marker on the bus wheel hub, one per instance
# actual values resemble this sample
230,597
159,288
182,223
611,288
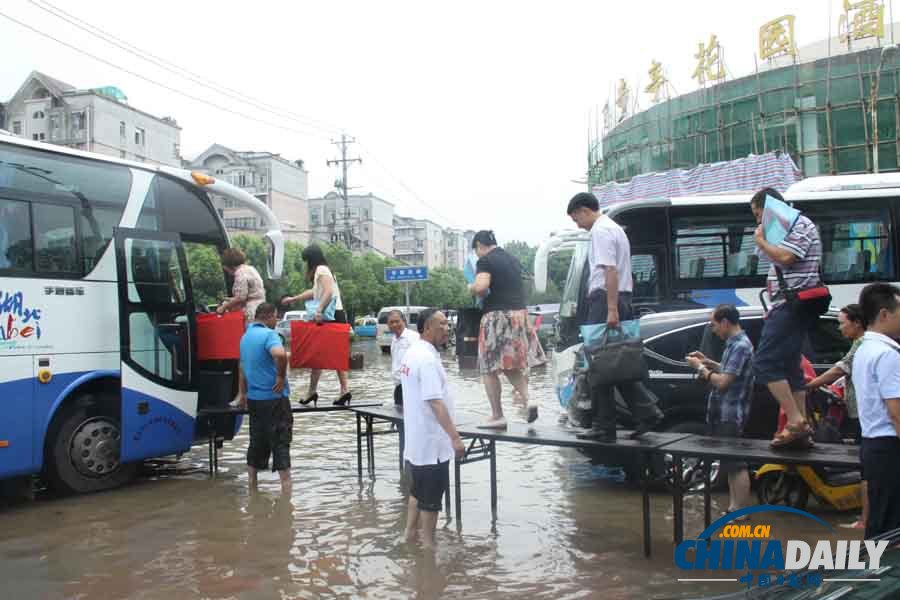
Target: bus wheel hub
95,447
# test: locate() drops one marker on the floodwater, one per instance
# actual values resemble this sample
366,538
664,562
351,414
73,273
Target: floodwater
564,529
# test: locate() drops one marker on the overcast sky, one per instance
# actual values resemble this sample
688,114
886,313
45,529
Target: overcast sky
474,114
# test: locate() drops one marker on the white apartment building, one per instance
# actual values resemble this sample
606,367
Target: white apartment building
456,248
278,183
419,242
365,224
97,120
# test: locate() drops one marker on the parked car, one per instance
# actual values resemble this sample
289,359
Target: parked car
284,325
682,397
383,335
366,327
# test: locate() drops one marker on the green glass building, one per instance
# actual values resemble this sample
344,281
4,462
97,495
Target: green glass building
816,111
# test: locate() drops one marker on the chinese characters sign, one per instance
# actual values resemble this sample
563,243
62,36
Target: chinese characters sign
776,38
709,62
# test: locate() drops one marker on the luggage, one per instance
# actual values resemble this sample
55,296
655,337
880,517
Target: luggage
616,359
219,336
320,346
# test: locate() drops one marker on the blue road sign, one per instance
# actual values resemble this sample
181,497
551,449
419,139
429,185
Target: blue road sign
402,274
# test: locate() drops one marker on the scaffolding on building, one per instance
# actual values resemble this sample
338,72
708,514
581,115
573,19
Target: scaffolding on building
817,112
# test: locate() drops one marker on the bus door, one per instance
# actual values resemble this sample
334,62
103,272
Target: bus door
156,328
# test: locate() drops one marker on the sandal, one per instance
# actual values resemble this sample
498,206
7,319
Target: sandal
793,436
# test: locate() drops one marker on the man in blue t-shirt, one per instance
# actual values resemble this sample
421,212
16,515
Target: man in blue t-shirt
264,392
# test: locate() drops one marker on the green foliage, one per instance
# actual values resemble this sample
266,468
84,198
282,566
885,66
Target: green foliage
207,277
361,278
524,253
445,287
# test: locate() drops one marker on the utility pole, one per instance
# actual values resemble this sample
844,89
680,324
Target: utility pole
343,161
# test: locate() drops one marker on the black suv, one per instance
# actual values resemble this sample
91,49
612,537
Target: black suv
682,397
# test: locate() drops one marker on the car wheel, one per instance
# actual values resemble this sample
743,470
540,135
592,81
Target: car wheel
692,468
83,451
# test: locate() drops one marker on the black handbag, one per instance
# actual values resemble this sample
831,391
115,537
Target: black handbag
616,359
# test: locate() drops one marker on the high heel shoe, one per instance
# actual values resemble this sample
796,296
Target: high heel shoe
343,400
314,398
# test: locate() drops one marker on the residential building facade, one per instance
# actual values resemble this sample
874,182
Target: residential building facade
456,248
419,242
96,120
365,223
277,182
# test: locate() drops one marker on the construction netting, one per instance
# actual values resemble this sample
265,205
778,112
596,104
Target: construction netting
816,112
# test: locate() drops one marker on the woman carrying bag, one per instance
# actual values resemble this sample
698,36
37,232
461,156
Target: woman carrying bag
248,291
323,300
507,343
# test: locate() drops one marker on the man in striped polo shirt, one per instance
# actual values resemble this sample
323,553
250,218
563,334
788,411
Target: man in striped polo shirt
778,355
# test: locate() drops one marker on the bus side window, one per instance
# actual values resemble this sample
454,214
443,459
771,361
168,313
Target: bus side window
856,243
15,236
76,203
55,246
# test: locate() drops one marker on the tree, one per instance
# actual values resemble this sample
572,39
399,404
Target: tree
524,253
446,287
205,269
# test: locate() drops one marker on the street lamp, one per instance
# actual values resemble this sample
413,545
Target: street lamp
873,103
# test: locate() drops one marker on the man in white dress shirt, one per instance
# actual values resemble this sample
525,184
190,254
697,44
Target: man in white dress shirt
403,339
431,439
876,380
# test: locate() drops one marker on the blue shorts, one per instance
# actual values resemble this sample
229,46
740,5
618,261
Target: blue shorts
781,344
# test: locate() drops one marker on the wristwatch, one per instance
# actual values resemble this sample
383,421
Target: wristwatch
703,373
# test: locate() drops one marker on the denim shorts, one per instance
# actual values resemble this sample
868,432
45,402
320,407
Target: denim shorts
781,344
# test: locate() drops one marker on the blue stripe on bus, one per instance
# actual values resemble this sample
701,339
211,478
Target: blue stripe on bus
15,428
161,430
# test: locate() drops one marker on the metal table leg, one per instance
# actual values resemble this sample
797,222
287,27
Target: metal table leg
678,499
402,443
707,493
458,486
645,501
212,442
370,445
359,445
493,451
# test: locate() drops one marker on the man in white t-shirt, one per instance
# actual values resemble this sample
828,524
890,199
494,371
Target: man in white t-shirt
876,380
609,301
403,339
431,439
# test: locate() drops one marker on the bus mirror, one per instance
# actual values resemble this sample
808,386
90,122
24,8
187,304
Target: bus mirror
275,254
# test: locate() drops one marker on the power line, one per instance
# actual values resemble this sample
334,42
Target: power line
178,70
401,183
157,83
343,186
197,79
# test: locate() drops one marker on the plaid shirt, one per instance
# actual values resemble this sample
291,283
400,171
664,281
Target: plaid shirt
733,405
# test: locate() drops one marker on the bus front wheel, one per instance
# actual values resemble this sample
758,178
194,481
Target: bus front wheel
83,452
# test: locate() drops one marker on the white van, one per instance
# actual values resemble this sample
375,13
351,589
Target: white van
382,335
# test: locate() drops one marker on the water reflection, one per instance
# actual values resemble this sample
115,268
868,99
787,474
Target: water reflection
564,529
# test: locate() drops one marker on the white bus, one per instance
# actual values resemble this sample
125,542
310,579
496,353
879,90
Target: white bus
699,251
98,346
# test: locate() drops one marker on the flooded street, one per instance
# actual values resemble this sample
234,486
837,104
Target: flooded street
564,529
